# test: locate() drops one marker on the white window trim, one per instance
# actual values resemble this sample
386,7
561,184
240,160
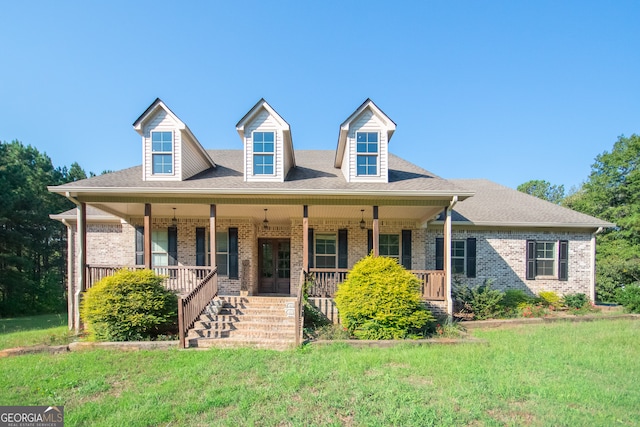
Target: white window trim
556,249
172,152
464,257
377,154
262,153
315,252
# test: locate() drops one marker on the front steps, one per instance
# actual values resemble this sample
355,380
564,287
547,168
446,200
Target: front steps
258,322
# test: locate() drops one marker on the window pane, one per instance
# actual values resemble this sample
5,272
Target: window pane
161,141
222,262
367,165
160,260
268,137
457,265
361,137
390,245
372,137
162,163
263,164
159,241
222,241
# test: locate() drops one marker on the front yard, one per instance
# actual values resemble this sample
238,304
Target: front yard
551,374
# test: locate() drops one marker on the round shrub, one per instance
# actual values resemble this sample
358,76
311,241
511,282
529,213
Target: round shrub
129,306
629,297
381,300
575,301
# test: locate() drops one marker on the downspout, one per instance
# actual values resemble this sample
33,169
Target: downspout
592,283
70,275
447,255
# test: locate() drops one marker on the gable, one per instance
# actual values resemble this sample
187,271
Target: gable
170,151
268,148
362,152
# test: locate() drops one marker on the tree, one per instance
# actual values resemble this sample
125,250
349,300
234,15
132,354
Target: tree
612,193
32,266
543,190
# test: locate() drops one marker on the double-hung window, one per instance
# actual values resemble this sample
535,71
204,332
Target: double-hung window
545,258
162,153
389,245
325,250
160,248
458,256
367,153
263,151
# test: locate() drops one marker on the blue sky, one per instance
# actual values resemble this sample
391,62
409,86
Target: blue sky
504,90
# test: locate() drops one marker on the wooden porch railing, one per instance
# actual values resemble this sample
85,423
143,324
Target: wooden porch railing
326,281
432,284
191,306
179,278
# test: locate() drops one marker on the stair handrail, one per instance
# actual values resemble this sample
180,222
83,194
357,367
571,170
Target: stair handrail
191,306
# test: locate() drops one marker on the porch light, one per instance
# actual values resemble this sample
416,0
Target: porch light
362,223
174,221
265,223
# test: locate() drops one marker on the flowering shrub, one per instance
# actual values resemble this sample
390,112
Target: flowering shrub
550,298
534,310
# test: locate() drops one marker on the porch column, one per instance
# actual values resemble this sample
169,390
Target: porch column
212,236
447,259
305,238
147,235
376,232
82,263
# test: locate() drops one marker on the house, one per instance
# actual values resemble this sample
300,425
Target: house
272,213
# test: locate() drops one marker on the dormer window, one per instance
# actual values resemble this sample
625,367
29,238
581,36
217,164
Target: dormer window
263,150
367,157
162,153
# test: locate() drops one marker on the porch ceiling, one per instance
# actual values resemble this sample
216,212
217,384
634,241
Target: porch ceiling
275,213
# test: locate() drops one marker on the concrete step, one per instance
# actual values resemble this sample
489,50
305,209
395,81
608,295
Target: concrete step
275,344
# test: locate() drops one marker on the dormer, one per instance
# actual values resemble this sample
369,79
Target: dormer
362,152
268,148
170,151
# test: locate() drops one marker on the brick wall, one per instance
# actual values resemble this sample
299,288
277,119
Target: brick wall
501,256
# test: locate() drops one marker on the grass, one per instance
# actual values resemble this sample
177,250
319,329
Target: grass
49,329
535,375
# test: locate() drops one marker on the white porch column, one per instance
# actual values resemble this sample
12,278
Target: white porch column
592,281
447,254
70,274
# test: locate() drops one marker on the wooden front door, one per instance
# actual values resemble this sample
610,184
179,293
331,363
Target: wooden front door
275,266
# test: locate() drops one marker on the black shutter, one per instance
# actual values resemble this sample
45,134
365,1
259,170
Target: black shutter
310,250
531,259
471,257
439,253
563,264
406,249
139,245
172,235
369,241
233,253
343,249
201,246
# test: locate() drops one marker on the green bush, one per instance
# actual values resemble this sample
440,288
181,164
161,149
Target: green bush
129,306
513,297
381,300
482,301
550,298
575,301
629,298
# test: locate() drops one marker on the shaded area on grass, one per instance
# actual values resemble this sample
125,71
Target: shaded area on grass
550,374
45,329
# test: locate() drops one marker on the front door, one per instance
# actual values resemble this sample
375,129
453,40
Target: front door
275,266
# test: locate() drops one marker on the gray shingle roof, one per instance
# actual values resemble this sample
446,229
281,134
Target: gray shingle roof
314,171
494,204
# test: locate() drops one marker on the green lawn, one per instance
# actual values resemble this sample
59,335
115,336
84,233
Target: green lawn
570,374
50,329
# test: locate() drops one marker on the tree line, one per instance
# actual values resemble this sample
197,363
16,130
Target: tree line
611,192
32,246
